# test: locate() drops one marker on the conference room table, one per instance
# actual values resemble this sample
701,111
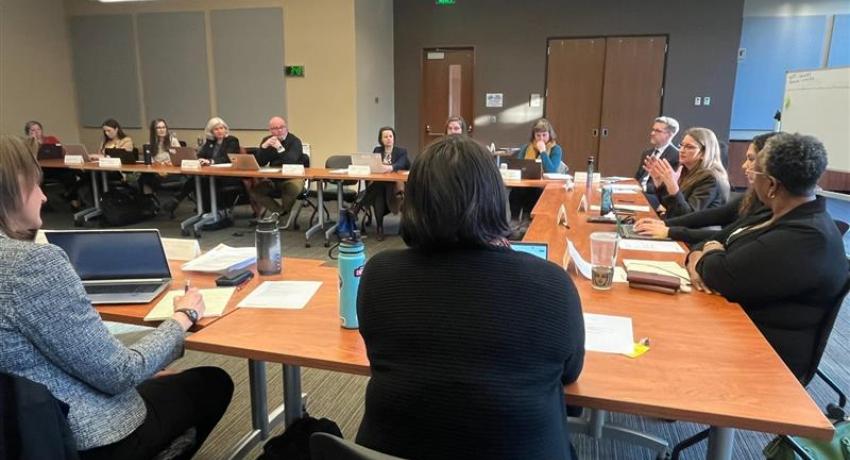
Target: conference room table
708,363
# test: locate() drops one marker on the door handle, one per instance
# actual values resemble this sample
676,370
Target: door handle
604,132
595,132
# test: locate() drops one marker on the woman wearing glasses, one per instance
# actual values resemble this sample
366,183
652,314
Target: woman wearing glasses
699,183
702,225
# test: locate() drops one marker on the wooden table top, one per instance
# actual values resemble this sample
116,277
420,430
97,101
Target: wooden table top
708,363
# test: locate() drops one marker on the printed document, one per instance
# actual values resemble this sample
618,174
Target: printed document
608,334
288,295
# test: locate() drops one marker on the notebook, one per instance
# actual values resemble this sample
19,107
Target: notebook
116,266
215,301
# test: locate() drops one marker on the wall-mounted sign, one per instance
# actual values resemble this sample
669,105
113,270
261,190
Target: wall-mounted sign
294,71
494,99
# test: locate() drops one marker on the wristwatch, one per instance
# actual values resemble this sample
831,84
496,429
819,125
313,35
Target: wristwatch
190,313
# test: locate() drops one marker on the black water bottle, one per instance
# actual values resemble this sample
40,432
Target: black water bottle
146,152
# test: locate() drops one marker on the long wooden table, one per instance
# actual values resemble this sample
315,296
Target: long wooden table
708,363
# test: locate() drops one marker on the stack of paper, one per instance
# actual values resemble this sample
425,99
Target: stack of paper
658,267
289,295
608,334
222,259
215,300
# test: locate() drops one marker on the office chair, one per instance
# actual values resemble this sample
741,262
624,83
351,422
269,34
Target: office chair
303,199
330,188
324,446
842,226
833,410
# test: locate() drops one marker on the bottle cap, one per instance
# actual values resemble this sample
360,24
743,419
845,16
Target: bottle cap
268,224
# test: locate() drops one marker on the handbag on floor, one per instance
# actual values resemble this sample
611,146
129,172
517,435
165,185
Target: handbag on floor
294,443
836,449
125,206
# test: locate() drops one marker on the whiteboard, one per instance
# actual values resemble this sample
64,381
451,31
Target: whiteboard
817,102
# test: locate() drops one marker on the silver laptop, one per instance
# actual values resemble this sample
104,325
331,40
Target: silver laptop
77,150
248,162
116,266
372,160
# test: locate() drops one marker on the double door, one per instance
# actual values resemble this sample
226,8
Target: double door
601,97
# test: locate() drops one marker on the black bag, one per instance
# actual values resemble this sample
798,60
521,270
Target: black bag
125,206
294,443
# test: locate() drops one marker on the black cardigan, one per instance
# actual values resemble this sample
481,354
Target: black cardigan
293,153
469,351
399,157
692,228
230,144
785,276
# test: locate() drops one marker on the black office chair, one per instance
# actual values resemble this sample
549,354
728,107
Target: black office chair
329,189
324,446
303,200
842,226
833,410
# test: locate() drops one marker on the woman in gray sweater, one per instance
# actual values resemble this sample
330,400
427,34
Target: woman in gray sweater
50,334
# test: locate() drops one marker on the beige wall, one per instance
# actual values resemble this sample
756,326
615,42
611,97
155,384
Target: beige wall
35,69
374,50
318,34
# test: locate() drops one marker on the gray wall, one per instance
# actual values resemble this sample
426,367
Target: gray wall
373,23
510,52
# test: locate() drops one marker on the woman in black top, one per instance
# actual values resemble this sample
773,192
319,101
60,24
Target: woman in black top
788,269
699,183
218,143
383,196
469,342
701,225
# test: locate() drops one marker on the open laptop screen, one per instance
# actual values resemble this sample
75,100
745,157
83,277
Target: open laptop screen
113,254
536,249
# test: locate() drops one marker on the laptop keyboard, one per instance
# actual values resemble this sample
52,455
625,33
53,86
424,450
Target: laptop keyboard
121,288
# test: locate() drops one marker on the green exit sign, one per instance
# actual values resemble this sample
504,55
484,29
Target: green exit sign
445,2
295,71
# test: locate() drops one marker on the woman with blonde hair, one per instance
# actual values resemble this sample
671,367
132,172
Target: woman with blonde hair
118,405
699,183
219,142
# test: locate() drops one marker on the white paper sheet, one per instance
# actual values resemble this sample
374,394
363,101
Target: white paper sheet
608,334
222,165
623,188
651,245
625,207
620,275
215,301
582,265
222,259
180,249
556,176
289,295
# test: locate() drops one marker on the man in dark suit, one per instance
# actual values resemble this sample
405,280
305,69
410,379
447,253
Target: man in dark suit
661,136
280,147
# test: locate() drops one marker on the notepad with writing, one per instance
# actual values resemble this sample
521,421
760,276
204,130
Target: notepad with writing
215,300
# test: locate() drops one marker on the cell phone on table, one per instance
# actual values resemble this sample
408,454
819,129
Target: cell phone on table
234,279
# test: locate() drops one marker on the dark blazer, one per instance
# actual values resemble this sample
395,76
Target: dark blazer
229,145
473,369
293,153
786,277
702,225
705,194
399,157
670,153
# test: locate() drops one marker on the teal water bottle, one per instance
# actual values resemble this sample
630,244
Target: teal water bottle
352,259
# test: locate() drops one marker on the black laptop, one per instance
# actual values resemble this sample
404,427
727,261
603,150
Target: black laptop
531,169
127,157
50,152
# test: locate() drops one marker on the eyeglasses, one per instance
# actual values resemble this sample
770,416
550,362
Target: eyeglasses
277,127
689,147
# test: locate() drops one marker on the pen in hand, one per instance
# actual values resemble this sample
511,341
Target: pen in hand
187,286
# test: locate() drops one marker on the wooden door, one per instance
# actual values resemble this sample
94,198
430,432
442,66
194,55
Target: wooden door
574,72
447,90
631,99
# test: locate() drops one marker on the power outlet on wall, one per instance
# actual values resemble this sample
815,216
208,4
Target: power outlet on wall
706,100
697,100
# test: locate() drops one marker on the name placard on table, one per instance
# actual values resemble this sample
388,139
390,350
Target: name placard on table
359,170
190,164
109,162
292,170
73,159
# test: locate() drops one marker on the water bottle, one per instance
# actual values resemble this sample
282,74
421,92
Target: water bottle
606,205
588,192
267,240
146,153
352,259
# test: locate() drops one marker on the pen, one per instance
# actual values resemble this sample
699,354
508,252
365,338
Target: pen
187,286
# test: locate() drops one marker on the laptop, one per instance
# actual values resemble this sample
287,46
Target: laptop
128,157
116,266
540,250
247,162
77,150
178,154
50,152
628,231
531,169
372,160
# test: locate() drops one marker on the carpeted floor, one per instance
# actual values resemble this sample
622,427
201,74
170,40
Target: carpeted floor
340,396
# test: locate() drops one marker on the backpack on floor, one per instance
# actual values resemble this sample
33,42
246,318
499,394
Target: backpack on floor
125,206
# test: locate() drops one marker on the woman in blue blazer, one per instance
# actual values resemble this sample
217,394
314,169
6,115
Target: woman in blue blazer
385,197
